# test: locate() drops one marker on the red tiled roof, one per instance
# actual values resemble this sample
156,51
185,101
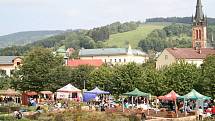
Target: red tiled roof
190,53
76,63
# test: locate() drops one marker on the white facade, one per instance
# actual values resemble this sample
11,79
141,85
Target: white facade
114,55
197,62
119,59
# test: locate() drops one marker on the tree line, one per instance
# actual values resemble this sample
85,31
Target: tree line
41,70
185,20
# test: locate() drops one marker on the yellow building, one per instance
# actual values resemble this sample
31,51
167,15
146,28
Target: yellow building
114,55
8,64
189,55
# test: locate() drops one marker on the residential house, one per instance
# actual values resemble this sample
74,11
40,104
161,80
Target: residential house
9,63
189,55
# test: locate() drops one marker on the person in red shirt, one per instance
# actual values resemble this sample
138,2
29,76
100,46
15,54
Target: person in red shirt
213,110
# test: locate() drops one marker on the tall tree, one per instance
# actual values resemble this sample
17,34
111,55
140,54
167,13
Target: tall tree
181,77
208,74
37,66
126,78
101,77
81,76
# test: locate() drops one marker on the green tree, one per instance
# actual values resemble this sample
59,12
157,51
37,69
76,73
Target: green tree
34,74
101,77
208,74
81,75
181,77
5,82
154,81
126,78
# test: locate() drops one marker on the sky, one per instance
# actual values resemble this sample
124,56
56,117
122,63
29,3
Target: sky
31,15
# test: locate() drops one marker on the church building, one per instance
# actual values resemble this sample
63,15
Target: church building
199,50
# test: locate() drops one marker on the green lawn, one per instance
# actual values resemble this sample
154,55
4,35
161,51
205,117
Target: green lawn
133,37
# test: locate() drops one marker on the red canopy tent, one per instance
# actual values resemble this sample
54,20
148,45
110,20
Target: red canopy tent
170,96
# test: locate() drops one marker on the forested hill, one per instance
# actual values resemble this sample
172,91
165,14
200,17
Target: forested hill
22,38
186,20
153,36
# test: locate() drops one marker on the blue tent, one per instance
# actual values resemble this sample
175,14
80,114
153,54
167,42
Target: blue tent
88,96
97,91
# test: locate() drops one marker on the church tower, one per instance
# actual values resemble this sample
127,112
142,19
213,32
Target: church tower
199,30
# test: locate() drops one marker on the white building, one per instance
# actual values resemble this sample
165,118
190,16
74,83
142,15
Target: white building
114,55
8,64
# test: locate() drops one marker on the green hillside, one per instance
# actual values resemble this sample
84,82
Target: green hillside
133,37
23,38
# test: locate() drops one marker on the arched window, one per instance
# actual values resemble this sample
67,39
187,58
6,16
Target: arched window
197,34
200,34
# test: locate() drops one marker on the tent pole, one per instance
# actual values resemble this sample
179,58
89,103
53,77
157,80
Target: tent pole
137,101
109,101
185,112
156,105
176,109
132,101
123,107
147,105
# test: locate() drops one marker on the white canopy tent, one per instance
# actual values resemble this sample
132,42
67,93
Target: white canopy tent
69,92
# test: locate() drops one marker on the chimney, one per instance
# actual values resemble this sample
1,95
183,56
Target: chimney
174,48
199,51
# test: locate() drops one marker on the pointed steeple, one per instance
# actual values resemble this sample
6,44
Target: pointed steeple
199,16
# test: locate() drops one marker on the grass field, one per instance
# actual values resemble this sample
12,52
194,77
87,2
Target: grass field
133,37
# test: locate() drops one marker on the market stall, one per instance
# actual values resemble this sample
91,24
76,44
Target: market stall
10,95
28,96
69,92
46,96
197,97
137,93
172,96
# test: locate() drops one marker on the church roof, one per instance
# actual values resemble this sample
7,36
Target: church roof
190,53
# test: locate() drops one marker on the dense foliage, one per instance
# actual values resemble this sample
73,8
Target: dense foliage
185,20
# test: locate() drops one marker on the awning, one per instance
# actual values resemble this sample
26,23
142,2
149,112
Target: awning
137,92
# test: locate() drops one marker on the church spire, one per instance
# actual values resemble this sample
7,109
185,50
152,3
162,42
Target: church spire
199,31
199,16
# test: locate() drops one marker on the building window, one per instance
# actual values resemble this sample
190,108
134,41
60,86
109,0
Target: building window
3,73
166,57
74,95
18,63
124,60
110,60
119,60
197,34
115,60
200,34
12,72
105,61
